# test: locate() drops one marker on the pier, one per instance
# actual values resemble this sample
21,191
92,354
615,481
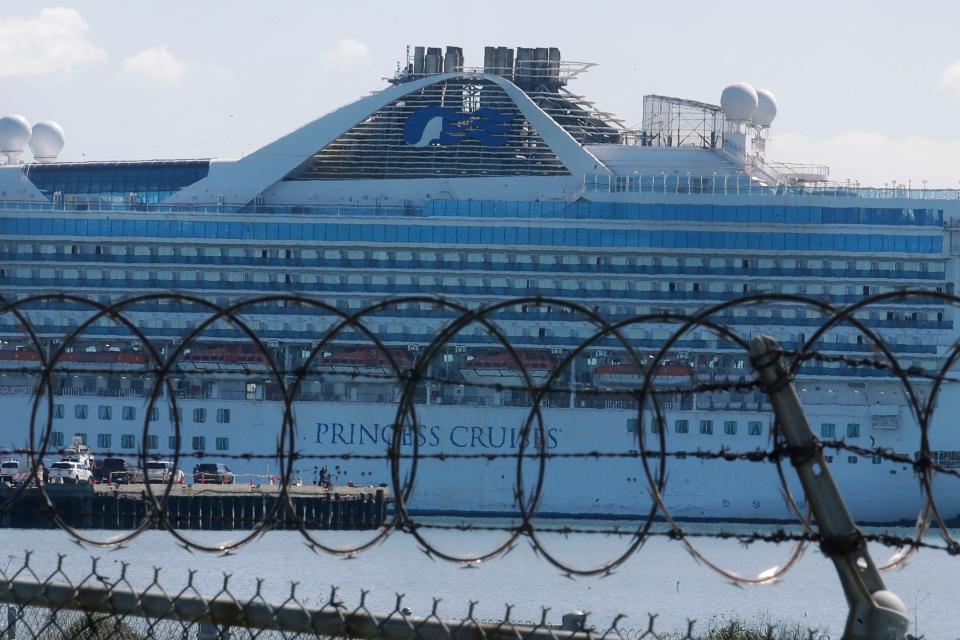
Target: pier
200,507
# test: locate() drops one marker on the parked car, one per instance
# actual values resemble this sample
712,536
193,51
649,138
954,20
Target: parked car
70,471
212,473
163,471
115,470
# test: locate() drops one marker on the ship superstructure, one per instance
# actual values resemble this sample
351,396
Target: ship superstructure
478,184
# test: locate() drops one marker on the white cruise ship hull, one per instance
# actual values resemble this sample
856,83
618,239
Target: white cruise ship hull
481,477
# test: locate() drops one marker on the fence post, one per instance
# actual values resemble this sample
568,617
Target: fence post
207,631
875,613
12,616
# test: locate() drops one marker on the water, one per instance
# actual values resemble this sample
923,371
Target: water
660,578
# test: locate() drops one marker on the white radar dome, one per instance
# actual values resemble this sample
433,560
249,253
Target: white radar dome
46,141
739,102
14,134
766,108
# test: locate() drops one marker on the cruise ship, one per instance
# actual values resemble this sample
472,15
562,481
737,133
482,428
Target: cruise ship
477,185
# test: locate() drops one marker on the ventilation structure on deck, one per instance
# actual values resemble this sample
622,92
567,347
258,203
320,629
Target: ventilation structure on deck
461,127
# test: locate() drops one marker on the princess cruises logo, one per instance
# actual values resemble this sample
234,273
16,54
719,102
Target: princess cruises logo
447,126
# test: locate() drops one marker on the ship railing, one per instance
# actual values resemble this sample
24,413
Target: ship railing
742,185
373,209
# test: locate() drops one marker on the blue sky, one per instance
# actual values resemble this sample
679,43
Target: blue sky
870,88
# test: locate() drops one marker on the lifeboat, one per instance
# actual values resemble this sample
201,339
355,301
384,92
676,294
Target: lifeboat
370,362
80,359
670,374
503,368
225,356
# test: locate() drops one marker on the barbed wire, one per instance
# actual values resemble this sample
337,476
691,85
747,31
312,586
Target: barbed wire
403,453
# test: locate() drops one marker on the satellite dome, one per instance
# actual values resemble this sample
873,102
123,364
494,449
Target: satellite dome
14,134
766,108
739,102
46,141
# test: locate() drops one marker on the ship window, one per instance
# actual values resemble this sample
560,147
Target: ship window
154,414
105,412
56,438
876,460
828,430
128,441
175,415
153,442
682,426
82,436
80,411
223,444
199,415
173,442
656,426
58,411
706,427
755,428
223,416
104,440
853,430
128,413
730,427
852,459
199,443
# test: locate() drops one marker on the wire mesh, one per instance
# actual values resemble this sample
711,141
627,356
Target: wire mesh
56,606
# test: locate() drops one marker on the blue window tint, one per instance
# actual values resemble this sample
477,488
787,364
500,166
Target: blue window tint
503,234
142,182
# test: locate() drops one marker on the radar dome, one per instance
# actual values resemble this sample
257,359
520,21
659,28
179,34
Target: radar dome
766,108
14,134
739,102
46,141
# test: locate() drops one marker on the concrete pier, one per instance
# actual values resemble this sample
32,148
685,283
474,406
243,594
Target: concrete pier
200,506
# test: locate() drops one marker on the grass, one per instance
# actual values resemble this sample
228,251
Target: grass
759,630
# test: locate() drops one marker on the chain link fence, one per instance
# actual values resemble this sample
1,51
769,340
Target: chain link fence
97,607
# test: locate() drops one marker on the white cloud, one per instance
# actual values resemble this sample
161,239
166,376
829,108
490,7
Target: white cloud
155,67
873,158
347,52
52,42
950,79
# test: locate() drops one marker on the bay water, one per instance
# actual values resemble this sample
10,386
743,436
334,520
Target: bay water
660,578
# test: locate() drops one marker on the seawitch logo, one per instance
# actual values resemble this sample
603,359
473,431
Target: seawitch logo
447,126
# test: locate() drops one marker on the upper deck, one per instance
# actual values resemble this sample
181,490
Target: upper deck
442,130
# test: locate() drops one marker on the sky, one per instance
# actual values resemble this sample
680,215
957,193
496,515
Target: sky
871,89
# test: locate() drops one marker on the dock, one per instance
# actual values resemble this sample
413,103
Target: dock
207,507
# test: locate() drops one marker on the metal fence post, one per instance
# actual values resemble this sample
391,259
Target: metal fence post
207,631
12,616
875,613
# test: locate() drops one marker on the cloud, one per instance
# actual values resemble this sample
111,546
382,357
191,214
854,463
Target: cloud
155,67
873,158
348,51
51,43
950,79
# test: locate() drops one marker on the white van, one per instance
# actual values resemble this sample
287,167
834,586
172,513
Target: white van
163,471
